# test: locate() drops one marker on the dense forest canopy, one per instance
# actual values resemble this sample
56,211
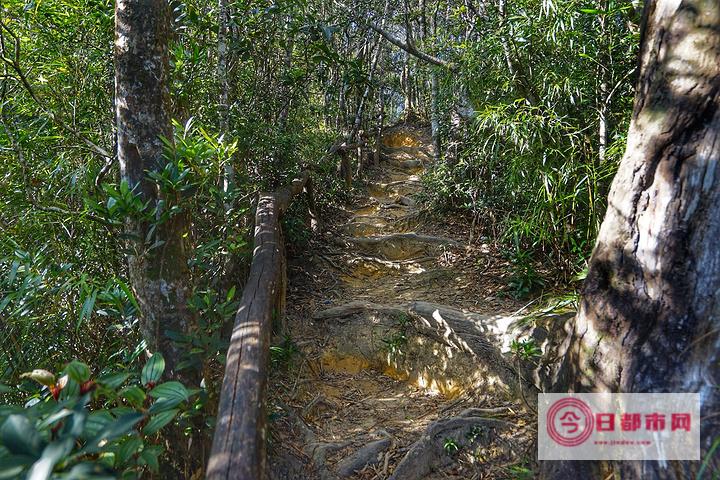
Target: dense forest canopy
528,104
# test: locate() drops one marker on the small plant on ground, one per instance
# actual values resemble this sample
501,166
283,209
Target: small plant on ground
281,355
474,433
524,278
520,472
526,349
403,320
450,446
395,343
82,426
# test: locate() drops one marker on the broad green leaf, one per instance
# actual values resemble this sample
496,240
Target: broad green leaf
115,429
170,390
113,380
159,421
164,404
149,457
12,465
128,448
153,369
78,371
96,422
134,395
20,437
230,294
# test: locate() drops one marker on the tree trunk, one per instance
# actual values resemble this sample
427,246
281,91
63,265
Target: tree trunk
158,252
380,126
223,104
649,319
435,115
604,74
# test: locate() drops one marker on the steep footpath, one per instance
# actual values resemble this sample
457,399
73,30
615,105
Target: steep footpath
402,370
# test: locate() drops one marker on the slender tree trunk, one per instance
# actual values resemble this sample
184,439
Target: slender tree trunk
520,76
287,90
341,118
435,115
158,252
435,105
223,104
406,84
649,319
380,126
604,72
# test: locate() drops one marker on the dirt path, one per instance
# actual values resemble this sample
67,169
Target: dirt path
401,371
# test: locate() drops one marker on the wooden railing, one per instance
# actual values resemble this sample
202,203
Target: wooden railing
238,450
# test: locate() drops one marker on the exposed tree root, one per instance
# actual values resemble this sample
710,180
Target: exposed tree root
402,246
440,440
475,335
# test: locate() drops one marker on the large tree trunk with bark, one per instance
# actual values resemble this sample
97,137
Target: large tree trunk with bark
650,314
158,251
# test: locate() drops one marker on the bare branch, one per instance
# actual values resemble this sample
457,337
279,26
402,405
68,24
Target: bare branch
411,49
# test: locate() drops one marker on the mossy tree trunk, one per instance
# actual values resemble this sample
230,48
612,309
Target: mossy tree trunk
158,249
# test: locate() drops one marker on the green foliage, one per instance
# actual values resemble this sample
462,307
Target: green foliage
474,433
520,472
525,349
395,344
450,446
396,341
281,355
524,278
85,427
527,163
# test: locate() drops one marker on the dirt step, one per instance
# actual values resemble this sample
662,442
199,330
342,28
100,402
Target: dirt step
399,188
410,165
361,229
429,345
365,267
404,153
403,246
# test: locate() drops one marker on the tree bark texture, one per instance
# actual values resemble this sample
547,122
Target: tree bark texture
158,252
649,319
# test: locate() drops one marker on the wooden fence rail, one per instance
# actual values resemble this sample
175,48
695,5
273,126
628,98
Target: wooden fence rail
238,450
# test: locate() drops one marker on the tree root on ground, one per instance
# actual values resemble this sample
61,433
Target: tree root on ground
443,438
402,246
478,337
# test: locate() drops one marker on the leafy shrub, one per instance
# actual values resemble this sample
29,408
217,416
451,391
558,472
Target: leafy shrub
524,278
80,426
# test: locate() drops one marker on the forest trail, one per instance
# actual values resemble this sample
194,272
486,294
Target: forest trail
397,369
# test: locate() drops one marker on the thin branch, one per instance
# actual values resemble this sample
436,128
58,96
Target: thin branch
408,46
411,49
